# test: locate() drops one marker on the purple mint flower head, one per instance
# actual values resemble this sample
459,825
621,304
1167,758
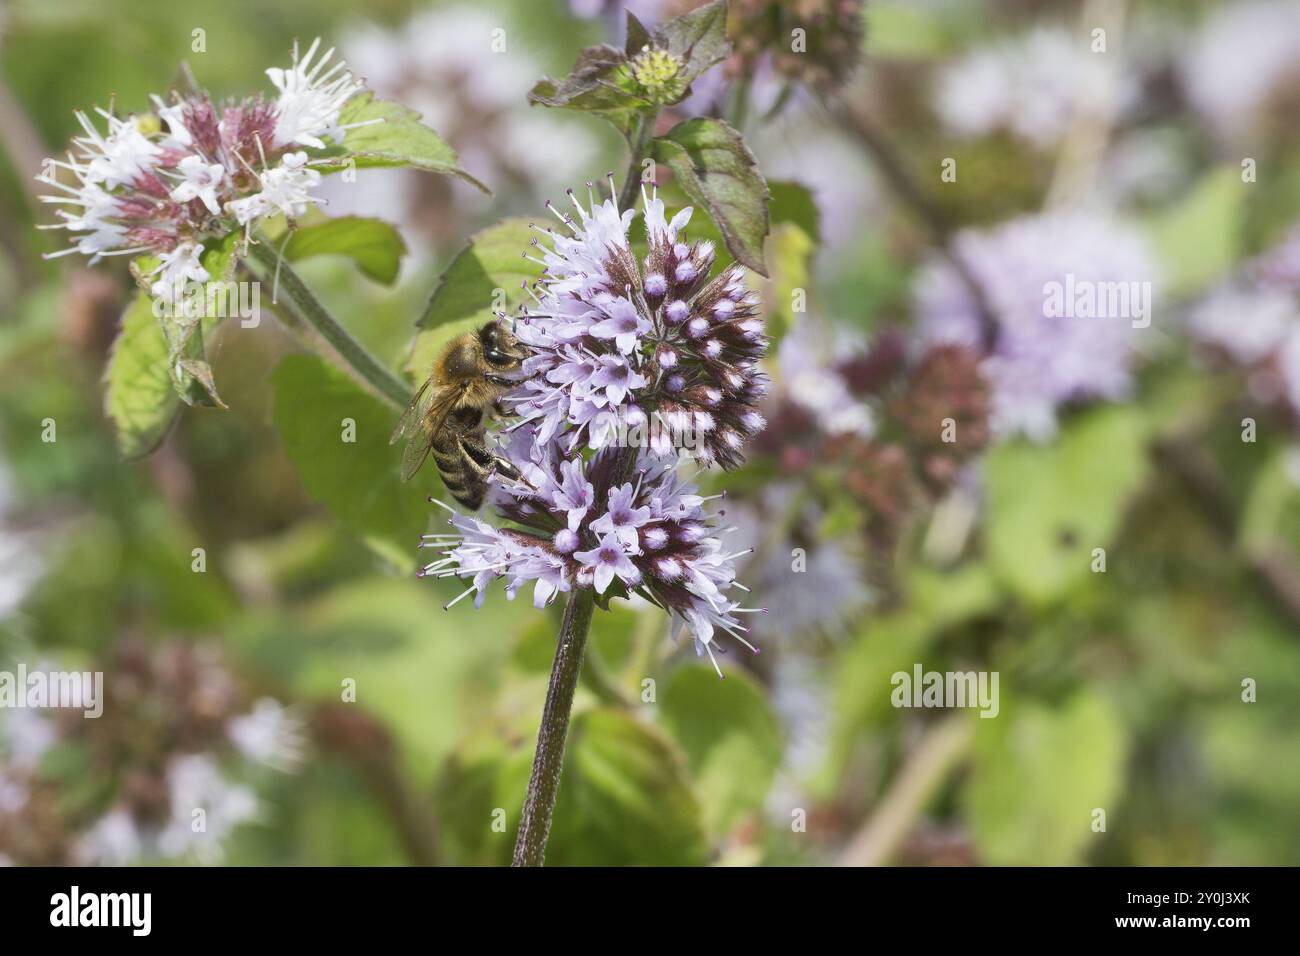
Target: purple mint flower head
1280,267
588,510
623,517
605,329
650,536
607,560
1253,321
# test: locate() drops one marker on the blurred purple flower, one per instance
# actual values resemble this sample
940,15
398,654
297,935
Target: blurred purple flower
1034,86
1244,60
1041,361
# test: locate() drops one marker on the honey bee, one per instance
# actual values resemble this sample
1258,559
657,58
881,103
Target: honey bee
446,415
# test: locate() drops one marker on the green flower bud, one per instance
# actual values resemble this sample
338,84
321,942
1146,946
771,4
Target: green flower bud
659,75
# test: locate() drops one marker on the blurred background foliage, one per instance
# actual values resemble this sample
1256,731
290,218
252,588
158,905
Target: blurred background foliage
1119,690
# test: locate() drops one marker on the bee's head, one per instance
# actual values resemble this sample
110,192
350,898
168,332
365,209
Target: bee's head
500,347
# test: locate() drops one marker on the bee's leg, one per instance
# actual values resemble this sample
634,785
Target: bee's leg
501,380
486,462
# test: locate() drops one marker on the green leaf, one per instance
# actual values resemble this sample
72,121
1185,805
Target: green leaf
1272,492
1197,240
863,669
487,772
139,398
157,361
792,254
1050,505
221,257
793,203
1038,774
611,637
796,233
492,259
625,798
905,31
391,632
467,294
357,480
731,739
374,245
399,140
717,170
597,84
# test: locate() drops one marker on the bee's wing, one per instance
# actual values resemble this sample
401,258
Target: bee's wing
417,449
409,423
435,409
412,426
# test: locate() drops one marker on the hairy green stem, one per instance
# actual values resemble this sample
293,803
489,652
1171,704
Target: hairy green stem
306,315
740,102
640,143
539,805
548,760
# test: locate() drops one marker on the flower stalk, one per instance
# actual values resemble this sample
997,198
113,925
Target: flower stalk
640,143
307,316
539,805
553,734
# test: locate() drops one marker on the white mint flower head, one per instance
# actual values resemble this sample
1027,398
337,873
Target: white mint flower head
201,182
174,117
812,382
176,268
25,736
178,735
193,782
97,233
196,782
166,183
114,840
286,189
1257,327
116,159
13,793
311,97
268,734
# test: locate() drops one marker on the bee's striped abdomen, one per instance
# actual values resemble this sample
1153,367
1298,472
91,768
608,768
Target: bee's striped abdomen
458,474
